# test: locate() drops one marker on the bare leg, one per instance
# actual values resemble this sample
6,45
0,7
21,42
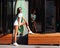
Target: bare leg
25,23
29,29
15,35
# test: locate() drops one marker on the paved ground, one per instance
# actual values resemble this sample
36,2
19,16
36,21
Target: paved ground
28,46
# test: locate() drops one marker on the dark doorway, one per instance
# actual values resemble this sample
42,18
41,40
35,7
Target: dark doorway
57,16
50,16
6,16
47,15
40,14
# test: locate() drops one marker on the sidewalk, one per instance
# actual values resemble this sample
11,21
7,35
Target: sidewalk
28,46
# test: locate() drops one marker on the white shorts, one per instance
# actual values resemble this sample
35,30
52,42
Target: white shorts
16,23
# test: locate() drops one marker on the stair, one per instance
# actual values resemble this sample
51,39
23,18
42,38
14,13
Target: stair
50,38
6,39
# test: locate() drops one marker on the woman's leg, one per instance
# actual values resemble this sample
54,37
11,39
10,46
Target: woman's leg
25,23
15,34
29,31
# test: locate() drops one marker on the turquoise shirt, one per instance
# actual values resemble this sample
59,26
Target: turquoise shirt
33,16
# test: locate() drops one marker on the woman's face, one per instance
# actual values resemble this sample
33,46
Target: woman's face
20,10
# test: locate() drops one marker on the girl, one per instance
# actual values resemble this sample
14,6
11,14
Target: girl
33,18
18,23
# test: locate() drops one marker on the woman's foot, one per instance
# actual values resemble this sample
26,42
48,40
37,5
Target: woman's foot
15,44
31,32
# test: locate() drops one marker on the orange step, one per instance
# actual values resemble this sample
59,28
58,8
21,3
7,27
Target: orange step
51,38
6,39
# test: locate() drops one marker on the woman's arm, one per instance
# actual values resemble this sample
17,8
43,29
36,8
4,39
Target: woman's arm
18,21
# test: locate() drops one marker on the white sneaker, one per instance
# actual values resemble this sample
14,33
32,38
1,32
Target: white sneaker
31,32
15,44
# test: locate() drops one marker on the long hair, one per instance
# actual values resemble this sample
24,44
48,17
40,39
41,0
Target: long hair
32,10
18,11
15,17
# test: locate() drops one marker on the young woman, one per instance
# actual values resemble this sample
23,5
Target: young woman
18,23
33,18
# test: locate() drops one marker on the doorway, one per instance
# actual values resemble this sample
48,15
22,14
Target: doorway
39,6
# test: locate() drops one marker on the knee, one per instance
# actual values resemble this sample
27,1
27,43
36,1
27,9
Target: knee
27,24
